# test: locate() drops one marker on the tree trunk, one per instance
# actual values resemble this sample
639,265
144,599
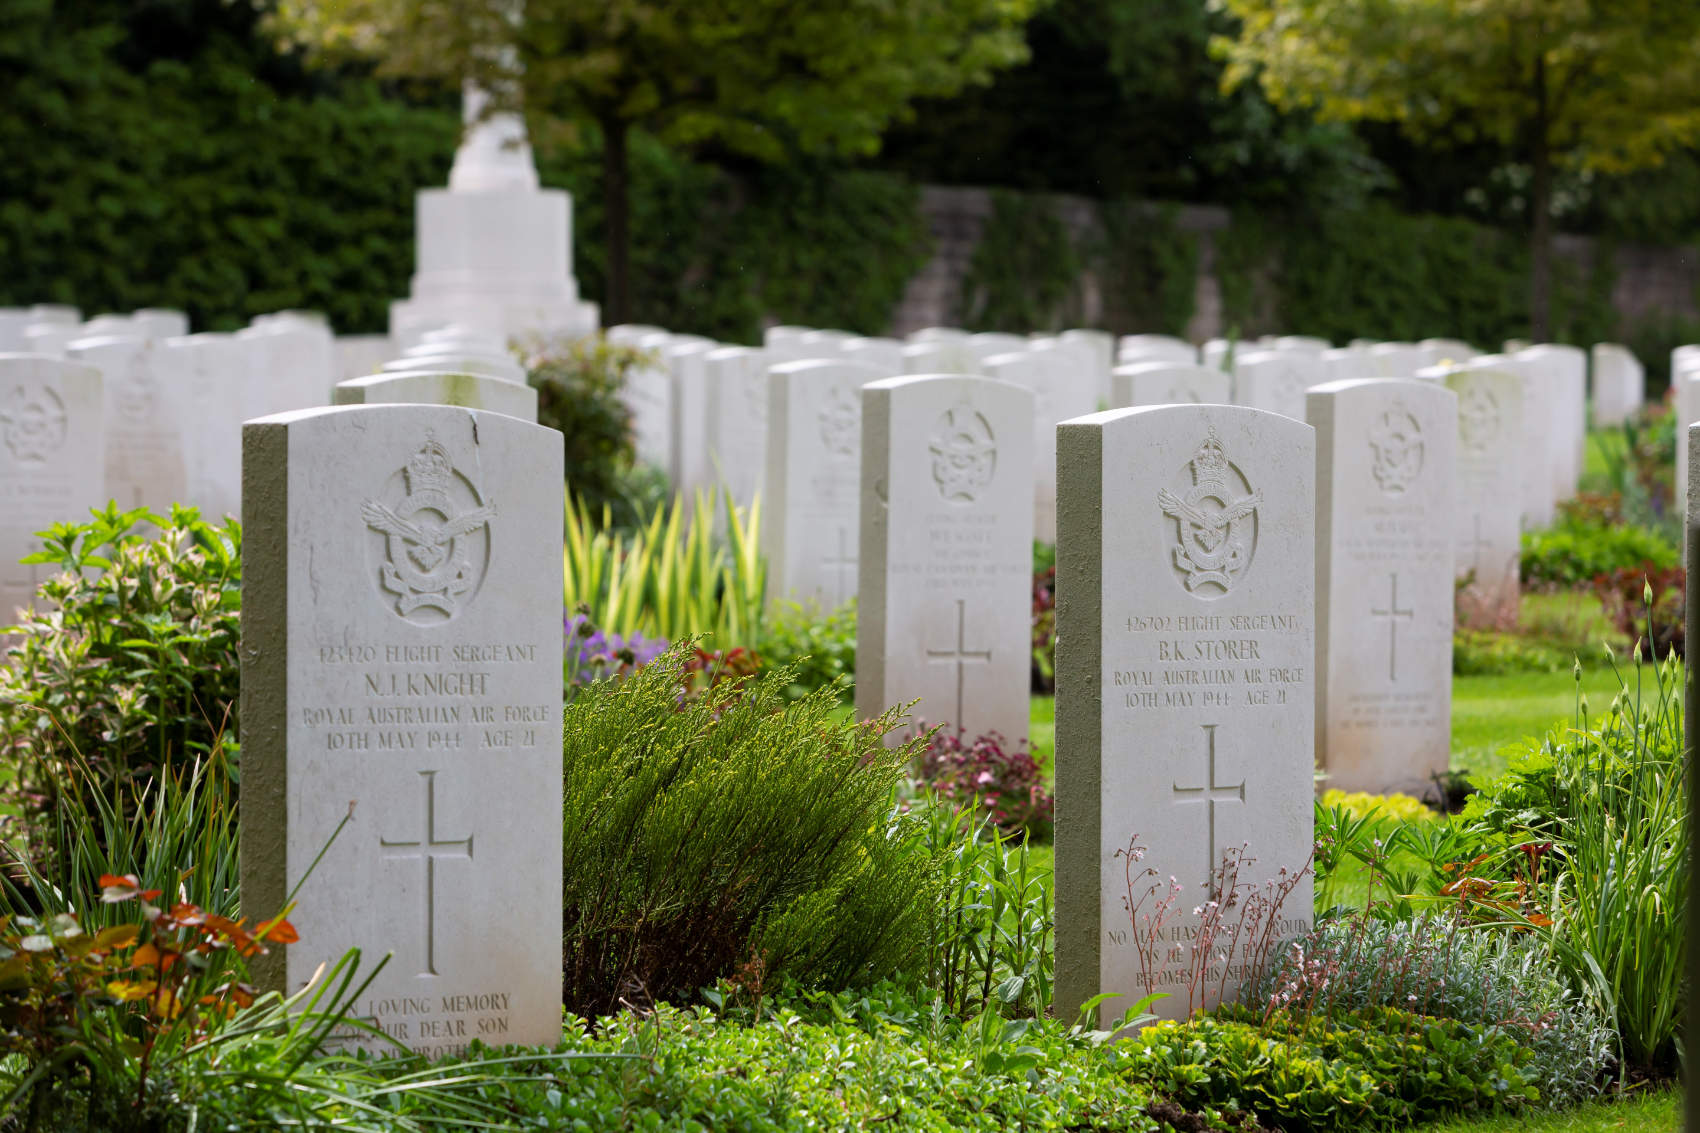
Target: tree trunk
1540,216
616,204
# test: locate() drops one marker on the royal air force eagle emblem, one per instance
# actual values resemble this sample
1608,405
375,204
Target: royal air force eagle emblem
1215,522
964,455
430,562
32,423
1396,449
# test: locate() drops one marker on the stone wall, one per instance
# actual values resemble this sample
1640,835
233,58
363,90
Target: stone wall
1651,281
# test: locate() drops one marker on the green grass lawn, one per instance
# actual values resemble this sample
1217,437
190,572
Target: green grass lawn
1659,1112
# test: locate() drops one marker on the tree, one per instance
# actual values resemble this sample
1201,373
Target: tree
763,78
1606,85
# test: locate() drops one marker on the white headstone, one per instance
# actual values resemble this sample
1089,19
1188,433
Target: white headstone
441,387
401,629
58,314
1395,360
940,356
814,444
1685,403
503,367
51,433
1185,726
1562,375
1155,348
1446,351
144,422
360,354
160,322
1101,343
735,380
626,334
946,553
1385,530
1169,383
883,354
1620,383
210,372
991,342
298,359
1276,381
1303,344
689,469
648,394
1489,500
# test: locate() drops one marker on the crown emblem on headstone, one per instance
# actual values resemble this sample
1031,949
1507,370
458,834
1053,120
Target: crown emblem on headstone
1215,522
964,453
1396,446
427,563
32,423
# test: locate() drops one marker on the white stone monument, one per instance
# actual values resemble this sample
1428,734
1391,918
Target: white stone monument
1169,383
1155,348
1561,375
945,562
1185,698
1488,506
814,444
1385,523
735,378
494,250
51,437
401,630
441,387
143,422
1620,383
210,372
1276,381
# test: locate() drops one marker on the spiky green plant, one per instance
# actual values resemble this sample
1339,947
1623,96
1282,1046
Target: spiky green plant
673,577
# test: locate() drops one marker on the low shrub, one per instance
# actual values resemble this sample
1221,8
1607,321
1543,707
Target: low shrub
579,392
817,649
736,831
1434,965
1045,625
1574,553
1004,784
1486,653
129,661
1627,594
874,1059
1364,1068
1394,807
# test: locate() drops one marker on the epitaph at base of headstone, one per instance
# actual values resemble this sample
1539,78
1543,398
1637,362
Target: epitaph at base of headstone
401,667
945,564
1185,700
51,438
1385,515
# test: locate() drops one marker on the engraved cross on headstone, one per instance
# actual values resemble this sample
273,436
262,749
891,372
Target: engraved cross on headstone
428,851
845,562
1477,545
1210,794
961,656
1393,613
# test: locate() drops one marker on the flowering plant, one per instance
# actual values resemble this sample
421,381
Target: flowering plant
1008,782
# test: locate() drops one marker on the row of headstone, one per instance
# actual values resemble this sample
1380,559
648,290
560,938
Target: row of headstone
448,366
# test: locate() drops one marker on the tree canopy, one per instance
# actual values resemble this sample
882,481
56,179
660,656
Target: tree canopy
1605,85
764,78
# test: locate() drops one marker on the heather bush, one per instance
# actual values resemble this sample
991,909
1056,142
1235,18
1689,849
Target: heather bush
736,831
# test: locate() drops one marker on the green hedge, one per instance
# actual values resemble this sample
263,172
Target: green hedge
1379,273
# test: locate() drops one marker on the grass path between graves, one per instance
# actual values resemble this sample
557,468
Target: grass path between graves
1659,1112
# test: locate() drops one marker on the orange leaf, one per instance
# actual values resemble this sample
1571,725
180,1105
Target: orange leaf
147,956
278,931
